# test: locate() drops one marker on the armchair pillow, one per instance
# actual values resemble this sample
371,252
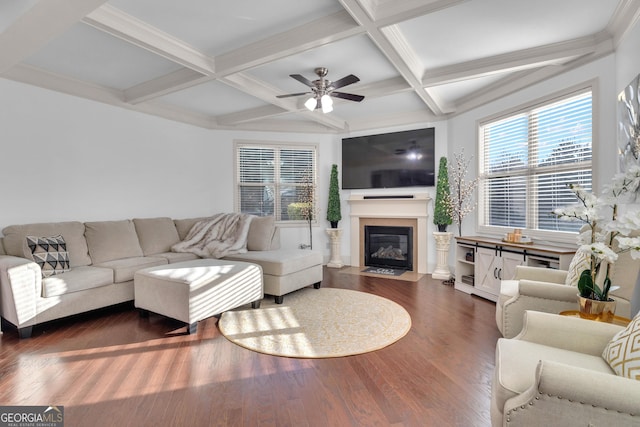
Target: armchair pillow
623,351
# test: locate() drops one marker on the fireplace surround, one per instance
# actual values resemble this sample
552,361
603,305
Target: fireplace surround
398,211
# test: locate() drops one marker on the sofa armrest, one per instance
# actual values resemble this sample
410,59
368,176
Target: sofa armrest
20,285
567,395
569,333
539,274
547,290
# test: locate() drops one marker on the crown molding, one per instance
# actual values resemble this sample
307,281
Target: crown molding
624,18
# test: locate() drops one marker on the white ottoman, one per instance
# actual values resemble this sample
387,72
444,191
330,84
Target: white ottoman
195,290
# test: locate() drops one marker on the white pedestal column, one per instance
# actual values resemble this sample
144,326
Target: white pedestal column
336,260
443,243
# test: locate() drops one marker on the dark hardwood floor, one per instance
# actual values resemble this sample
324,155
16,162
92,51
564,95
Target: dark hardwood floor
113,368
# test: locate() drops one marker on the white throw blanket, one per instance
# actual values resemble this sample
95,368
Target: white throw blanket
215,237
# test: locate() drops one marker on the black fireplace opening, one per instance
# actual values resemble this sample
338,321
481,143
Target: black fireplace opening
388,247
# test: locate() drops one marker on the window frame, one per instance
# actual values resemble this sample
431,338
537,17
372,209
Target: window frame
277,146
527,108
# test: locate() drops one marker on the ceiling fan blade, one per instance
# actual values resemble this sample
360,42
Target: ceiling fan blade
302,79
347,80
293,94
349,96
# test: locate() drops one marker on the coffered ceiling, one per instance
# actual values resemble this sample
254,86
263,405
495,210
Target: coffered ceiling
221,64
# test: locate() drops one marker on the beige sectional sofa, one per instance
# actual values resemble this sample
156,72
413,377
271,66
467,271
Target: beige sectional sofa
104,255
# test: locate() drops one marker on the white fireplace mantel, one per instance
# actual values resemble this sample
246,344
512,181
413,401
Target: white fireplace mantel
389,207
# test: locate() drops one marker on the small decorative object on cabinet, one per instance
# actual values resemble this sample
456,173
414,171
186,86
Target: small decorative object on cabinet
482,262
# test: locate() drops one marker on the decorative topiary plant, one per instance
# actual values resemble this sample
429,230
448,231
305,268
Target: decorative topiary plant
333,209
441,211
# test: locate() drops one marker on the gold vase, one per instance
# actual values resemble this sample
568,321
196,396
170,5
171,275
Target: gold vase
601,311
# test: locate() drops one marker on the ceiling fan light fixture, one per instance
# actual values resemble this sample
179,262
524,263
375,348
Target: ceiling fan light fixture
311,104
327,104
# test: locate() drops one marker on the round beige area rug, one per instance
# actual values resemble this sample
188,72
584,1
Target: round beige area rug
318,323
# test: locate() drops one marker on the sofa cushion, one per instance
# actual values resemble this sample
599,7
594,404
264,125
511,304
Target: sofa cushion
516,362
76,279
173,257
261,232
50,253
623,351
184,225
15,239
124,269
156,235
110,240
282,261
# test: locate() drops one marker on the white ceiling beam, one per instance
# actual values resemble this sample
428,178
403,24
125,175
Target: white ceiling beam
392,120
386,87
553,54
43,22
119,24
251,114
45,79
163,85
523,79
391,43
311,35
385,12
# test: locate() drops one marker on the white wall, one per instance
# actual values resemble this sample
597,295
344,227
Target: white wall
66,158
463,128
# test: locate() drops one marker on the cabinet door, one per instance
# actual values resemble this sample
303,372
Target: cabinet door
486,270
509,263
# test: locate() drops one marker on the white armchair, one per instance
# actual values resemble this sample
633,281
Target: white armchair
544,289
553,373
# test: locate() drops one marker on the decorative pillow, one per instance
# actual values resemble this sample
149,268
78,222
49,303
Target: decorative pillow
579,263
623,351
261,232
50,253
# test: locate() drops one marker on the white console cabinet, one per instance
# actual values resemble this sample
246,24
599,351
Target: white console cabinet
481,262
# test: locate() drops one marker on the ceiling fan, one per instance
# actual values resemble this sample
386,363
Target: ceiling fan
322,90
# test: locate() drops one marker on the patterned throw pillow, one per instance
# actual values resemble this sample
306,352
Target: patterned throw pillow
623,351
579,263
50,253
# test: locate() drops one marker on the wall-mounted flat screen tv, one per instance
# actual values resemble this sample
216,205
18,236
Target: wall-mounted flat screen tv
389,160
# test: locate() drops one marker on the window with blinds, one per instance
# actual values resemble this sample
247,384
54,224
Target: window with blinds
272,180
527,159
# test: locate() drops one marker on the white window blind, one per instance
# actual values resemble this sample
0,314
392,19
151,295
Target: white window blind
527,160
270,178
